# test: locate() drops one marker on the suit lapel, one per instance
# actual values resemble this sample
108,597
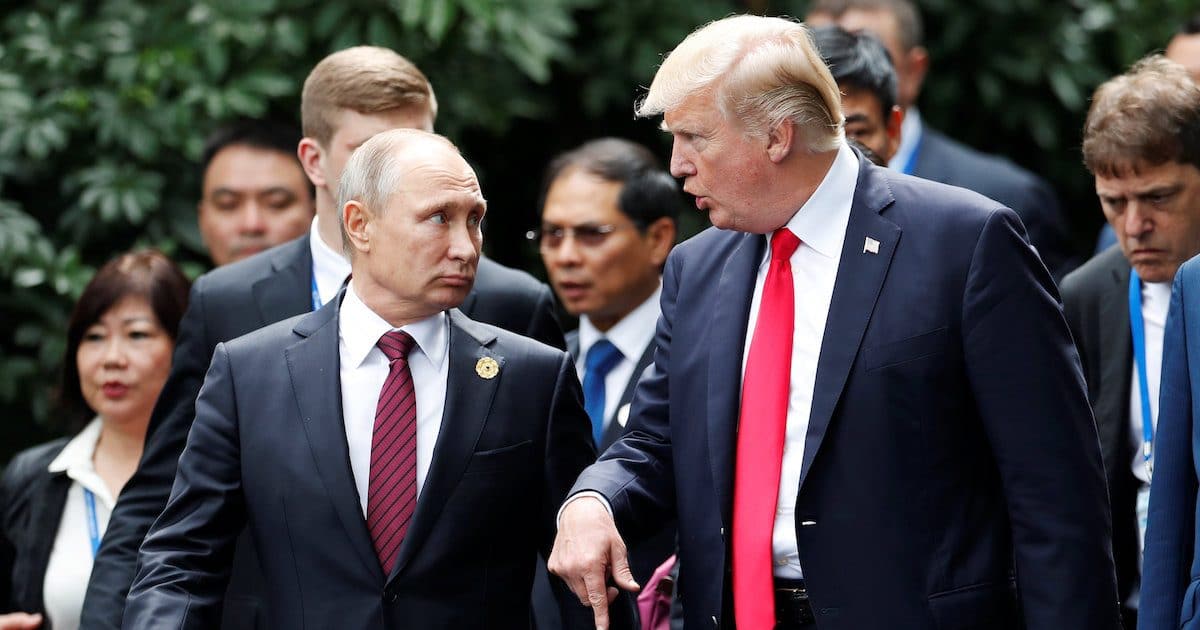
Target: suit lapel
468,402
859,280
314,365
1116,367
288,290
727,339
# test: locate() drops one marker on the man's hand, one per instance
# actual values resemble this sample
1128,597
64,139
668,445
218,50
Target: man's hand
20,621
587,550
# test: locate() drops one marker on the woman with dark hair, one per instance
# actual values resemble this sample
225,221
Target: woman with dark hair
55,498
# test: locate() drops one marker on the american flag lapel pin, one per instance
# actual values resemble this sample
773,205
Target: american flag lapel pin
870,246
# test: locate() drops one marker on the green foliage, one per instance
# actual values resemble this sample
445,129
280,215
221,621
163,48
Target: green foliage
1015,77
105,105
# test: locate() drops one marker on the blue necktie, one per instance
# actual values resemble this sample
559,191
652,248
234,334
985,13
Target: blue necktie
602,357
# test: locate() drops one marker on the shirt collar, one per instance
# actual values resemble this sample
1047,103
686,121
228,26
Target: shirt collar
330,268
631,335
821,222
910,137
76,460
78,452
360,329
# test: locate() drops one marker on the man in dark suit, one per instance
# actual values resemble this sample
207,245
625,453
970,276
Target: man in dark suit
388,453
930,154
875,420
1142,143
609,216
341,109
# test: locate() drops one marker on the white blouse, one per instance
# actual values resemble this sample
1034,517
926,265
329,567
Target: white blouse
71,557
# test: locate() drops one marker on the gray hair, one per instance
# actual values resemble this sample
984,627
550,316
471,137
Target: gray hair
373,172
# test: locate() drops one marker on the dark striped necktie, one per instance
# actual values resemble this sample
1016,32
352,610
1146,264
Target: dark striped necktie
392,491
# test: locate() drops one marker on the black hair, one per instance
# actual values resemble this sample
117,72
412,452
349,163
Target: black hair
858,60
271,135
648,193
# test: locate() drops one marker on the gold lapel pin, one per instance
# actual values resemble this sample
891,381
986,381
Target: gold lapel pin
487,367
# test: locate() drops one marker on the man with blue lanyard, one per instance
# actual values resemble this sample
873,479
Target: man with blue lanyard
1142,143
928,153
350,96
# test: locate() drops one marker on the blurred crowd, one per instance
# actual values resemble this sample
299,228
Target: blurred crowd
282,238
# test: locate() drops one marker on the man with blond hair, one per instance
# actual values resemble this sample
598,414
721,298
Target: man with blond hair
348,97
865,408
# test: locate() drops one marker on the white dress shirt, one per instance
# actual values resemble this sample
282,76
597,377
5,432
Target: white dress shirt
364,368
70,563
631,336
330,267
821,226
1156,299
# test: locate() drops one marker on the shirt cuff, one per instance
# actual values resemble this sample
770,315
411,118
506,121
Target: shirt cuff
580,495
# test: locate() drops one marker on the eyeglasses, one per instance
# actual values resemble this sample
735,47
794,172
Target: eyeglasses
551,236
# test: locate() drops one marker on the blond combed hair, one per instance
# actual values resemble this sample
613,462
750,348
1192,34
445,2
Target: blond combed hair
760,71
366,79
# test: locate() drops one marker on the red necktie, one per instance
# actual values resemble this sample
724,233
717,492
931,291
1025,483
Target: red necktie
392,490
762,427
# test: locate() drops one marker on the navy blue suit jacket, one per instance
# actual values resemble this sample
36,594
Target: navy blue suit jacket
268,450
950,432
1170,570
944,160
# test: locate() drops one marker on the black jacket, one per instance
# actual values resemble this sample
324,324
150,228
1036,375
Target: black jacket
31,507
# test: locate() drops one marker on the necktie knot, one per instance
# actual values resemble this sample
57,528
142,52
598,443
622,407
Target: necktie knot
602,357
783,244
396,344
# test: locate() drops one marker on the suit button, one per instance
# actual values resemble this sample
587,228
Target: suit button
391,596
715,622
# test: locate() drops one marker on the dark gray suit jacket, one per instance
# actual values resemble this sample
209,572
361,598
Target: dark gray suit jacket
1096,304
944,160
226,303
268,450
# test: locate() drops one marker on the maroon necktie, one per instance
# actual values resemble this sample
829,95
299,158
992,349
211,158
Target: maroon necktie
392,492
762,427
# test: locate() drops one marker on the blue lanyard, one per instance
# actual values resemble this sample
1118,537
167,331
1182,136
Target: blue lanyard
1138,328
89,501
316,295
911,162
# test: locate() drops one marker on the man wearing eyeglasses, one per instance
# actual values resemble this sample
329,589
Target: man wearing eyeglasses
608,223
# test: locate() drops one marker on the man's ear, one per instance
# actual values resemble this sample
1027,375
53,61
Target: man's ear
356,220
780,140
918,65
660,238
311,157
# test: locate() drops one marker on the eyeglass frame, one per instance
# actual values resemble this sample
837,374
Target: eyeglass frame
550,236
